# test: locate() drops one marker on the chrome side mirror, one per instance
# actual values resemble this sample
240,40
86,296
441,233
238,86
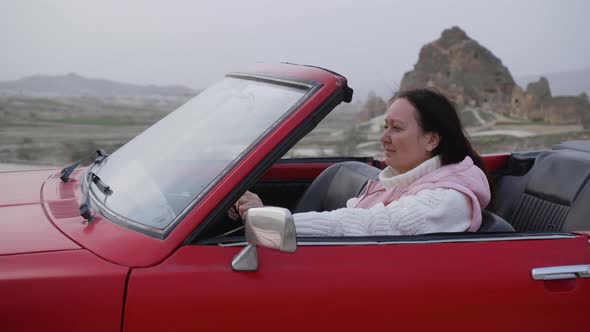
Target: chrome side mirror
269,227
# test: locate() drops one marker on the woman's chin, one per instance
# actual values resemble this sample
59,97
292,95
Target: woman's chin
389,162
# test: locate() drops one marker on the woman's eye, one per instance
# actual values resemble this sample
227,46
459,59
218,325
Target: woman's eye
394,128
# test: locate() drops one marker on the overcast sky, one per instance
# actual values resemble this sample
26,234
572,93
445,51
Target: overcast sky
194,43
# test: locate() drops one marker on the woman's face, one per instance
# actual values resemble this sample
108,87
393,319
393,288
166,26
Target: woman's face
406,145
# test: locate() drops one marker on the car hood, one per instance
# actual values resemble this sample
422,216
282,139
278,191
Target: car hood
25,227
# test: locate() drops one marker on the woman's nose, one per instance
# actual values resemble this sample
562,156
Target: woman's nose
385,137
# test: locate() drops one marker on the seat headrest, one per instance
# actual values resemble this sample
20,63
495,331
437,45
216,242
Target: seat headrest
558,176
583,146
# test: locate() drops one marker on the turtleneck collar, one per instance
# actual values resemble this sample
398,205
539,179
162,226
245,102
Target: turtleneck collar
390,177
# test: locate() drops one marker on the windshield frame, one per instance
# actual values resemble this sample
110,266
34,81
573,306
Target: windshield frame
311,87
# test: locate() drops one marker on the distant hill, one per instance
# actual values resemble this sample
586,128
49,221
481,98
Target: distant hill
74,85
567,83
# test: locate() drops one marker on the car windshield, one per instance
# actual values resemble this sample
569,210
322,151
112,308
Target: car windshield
155,176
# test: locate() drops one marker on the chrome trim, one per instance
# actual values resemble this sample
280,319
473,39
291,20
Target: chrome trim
100,207
271,227
122,220
246,259
270,79
561,272
351,243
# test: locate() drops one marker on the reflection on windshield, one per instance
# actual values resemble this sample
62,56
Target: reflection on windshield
158,173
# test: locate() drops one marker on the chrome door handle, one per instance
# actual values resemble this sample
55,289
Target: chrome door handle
561,272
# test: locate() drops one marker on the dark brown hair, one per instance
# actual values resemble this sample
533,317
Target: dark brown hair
437,113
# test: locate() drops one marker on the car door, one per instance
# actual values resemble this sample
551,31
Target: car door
456,281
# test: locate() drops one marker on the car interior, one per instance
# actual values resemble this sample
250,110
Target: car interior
536,192
553,194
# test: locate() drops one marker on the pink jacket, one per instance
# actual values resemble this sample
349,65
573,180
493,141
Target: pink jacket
464,177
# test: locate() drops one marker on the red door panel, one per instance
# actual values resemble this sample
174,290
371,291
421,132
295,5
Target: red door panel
60,291
463,286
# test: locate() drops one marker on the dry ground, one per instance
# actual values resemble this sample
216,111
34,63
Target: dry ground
60,131
37,131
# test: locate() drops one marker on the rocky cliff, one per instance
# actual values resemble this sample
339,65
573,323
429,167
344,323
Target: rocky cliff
460,67
473,76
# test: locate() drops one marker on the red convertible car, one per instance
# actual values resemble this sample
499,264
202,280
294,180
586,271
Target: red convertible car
140,240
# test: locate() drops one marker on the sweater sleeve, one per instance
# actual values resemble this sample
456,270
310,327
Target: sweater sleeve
428,211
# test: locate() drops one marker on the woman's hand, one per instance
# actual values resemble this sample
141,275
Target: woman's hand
247,201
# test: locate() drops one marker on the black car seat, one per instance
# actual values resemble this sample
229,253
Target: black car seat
342,181
492,223
583,146
335,185
553,196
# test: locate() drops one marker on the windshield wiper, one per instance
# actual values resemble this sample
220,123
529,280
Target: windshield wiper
85,210
67,171
91,177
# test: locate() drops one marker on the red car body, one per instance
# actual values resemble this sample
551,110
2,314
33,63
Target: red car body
59,273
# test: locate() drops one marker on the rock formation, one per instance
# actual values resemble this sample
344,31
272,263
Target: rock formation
527,104
460,67
374,106
472,76
540,88
538,104
537,93
564,110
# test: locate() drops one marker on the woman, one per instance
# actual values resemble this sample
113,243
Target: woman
434,180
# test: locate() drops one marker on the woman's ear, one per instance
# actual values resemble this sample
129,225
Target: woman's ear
432,141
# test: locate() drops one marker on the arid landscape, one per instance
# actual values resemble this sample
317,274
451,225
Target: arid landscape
55,120
498,114
56,136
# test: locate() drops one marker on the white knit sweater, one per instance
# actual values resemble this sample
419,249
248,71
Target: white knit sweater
428,211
